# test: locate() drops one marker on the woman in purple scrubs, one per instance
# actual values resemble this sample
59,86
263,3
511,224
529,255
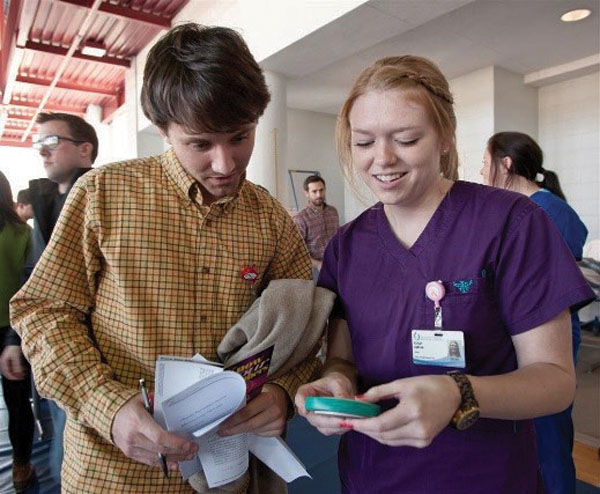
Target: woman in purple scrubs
514,161
504,303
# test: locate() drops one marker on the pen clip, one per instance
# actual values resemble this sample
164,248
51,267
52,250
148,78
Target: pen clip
146,400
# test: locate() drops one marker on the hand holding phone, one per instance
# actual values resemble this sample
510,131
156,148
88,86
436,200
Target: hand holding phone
341,407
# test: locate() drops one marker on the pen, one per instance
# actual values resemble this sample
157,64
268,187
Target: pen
146,400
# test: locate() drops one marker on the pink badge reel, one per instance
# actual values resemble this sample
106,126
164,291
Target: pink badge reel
435,292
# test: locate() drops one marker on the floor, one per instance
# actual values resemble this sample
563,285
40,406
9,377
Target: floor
44,483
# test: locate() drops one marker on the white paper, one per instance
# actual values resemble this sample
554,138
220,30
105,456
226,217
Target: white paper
192,397
198,410
205,404
173,375
278,456
224,459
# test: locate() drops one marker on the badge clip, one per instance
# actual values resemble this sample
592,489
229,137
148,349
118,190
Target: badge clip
435,292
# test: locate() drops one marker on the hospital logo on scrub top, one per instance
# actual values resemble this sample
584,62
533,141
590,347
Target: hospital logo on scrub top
464,286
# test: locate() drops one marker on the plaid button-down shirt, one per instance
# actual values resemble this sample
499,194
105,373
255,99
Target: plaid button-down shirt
138,267
317,226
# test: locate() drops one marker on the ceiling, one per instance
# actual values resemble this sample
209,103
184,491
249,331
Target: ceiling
523,36
43,68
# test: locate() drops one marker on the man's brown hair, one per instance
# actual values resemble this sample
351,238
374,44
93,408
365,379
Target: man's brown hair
311,179
204,79
79,129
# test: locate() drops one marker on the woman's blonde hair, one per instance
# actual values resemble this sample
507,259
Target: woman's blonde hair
424,84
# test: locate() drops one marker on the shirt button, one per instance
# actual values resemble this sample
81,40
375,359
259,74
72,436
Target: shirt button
208,223
205,270
203,318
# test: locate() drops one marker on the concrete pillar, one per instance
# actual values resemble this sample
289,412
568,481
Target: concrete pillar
267,167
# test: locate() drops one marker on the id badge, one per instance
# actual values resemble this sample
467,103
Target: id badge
439,348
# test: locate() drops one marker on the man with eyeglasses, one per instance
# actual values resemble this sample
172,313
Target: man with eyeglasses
68,146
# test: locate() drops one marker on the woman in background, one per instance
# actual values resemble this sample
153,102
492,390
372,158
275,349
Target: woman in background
15,244
439,260
514,161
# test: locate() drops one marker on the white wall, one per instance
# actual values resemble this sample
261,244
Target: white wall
150,143
515,104
311,146
20,165
357,198
474,108
569,134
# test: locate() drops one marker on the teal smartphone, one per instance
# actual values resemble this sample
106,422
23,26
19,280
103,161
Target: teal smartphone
341,407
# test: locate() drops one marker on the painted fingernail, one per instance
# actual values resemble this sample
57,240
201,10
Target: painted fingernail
359,397
346,425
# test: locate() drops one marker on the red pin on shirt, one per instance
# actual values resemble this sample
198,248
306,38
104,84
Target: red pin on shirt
249,274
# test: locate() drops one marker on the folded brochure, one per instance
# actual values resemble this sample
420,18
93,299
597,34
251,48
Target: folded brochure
193,396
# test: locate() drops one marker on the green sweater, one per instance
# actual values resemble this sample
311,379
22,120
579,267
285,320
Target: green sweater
15,244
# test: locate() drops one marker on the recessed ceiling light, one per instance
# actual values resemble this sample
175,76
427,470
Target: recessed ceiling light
575,15
93,48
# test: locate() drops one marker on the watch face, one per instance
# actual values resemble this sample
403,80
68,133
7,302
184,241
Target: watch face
467,419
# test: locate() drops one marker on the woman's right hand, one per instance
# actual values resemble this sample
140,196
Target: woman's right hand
333,384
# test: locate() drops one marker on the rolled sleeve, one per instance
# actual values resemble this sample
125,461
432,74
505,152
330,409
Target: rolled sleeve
52,312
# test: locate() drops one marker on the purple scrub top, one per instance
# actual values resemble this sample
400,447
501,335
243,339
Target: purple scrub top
506,270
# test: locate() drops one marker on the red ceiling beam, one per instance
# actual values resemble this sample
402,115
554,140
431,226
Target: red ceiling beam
16,116
83,29
57,50
14,128
7,141
10,21
66,85
119,11
109,109
48,106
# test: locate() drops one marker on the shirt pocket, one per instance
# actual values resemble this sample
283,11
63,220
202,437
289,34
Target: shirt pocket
471,306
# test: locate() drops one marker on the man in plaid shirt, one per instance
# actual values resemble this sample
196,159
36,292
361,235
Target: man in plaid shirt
151,256
317,222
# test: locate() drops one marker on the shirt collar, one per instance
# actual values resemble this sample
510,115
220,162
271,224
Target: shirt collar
187,186
316,209
183,182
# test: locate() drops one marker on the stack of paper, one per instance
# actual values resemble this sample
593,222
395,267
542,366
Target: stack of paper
193,396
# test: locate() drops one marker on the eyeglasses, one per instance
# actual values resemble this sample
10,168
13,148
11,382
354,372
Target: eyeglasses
51,142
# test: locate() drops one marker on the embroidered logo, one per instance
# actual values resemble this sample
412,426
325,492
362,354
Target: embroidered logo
464,286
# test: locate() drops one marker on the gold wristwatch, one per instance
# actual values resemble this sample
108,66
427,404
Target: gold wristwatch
468,411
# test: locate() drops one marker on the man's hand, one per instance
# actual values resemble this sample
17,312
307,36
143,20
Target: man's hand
11,363
333,384
140,438
265,415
